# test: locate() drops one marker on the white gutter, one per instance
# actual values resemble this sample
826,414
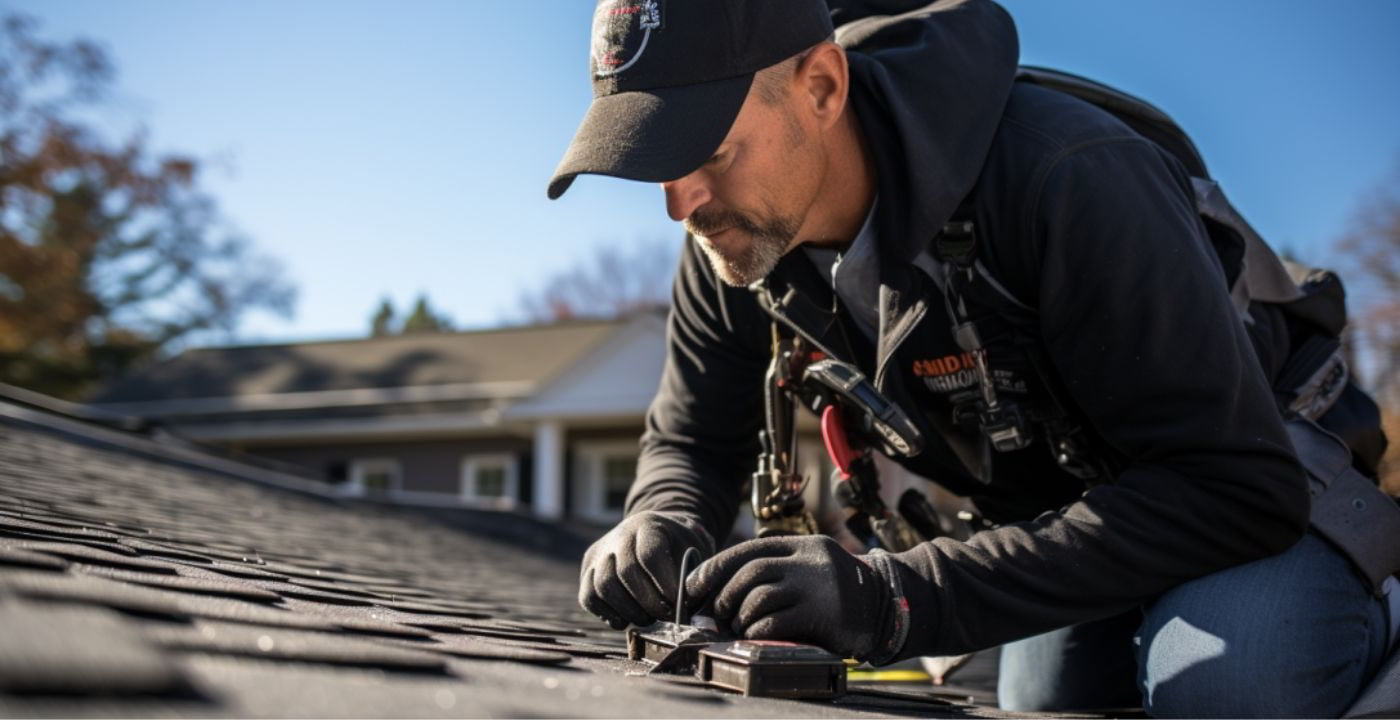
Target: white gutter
344,429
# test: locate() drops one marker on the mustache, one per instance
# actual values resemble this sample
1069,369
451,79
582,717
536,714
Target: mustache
706,222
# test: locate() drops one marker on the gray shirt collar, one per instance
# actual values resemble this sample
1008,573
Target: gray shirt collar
855,275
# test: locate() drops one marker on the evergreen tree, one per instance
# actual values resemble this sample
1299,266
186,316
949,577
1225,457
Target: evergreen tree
424,320
382,323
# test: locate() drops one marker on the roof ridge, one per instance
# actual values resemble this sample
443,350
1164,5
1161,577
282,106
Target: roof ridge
504,329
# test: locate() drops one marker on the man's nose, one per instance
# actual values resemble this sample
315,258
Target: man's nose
684,195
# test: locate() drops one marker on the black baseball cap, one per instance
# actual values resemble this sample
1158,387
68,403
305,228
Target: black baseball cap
669,77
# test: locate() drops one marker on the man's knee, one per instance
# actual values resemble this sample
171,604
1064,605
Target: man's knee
1288,636
1188,671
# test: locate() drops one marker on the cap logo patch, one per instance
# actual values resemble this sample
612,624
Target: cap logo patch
621,31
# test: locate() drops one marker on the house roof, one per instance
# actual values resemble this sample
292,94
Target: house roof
141,579
484,363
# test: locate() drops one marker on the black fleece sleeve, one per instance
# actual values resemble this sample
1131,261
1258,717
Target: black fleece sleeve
701,438
1137,322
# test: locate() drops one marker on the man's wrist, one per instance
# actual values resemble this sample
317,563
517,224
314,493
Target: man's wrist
705,541
892,632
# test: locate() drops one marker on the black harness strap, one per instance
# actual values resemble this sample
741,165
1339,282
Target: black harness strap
1006,426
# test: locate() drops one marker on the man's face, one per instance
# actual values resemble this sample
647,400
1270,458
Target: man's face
746,205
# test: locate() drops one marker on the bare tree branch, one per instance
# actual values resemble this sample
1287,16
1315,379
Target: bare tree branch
1372,252
611,282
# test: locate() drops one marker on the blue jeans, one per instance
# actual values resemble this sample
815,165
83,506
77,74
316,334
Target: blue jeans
1294,635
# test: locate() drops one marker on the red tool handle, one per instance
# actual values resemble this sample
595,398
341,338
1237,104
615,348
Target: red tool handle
838,448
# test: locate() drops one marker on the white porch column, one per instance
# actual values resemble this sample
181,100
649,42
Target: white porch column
549,470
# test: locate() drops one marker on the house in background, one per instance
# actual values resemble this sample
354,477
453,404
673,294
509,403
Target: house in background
541,419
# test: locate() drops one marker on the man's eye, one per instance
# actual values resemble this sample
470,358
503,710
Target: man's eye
715,159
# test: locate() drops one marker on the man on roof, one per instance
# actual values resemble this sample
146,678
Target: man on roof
825,164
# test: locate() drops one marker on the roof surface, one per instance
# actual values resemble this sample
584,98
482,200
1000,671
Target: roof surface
140,582
525,354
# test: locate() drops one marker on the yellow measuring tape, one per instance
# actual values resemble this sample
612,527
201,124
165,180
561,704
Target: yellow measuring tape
888,676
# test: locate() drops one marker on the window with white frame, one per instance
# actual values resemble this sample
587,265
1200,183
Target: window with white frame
604,472
490,480
374,477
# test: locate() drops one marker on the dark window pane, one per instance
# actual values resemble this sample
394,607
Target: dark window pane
378,482
618,472
490,481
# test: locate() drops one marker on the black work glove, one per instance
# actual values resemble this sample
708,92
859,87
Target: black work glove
630,575
805,589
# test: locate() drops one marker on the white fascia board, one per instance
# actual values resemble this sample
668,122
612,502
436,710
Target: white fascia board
579,415
322,399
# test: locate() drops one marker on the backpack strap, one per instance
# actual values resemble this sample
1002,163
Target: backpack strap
1264,277
1143,117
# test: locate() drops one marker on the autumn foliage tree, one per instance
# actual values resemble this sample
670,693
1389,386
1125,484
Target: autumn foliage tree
109,253
1372,252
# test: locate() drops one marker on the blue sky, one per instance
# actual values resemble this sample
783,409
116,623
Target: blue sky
386,149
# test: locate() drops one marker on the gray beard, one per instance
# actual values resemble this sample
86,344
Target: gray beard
749,266
767,244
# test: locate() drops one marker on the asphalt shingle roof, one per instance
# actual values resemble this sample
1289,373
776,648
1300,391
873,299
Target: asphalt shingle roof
135,583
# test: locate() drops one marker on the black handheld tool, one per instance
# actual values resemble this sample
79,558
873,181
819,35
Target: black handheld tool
856,488
830,381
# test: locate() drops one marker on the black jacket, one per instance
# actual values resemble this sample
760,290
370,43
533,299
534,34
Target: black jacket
1096,229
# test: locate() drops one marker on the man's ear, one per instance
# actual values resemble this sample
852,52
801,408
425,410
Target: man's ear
823,79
